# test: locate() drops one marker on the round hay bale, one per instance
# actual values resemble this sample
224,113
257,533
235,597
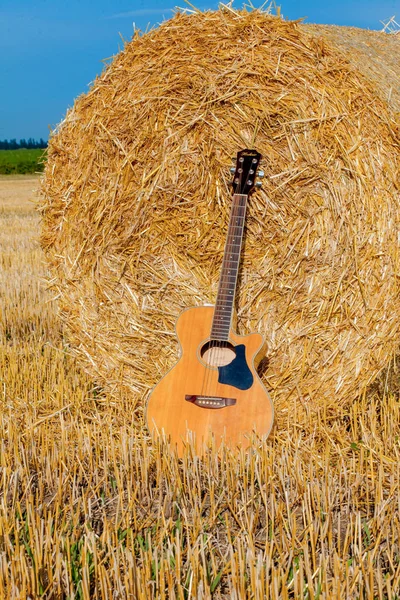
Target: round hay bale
136,199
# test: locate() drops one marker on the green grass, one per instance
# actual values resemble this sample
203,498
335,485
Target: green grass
21,161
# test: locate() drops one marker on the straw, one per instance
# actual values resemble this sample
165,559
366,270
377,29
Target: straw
375,54
136,197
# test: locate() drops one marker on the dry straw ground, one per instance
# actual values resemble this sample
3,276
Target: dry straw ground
89,510
136,201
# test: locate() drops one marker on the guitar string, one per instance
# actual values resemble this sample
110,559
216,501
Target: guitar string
213,344
234,253
239,208
236,211
224,285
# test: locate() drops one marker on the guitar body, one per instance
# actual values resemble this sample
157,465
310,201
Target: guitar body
197,400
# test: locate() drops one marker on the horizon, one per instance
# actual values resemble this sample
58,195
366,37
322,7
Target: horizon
54,52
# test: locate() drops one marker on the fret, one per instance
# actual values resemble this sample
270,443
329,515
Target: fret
227,294
228,300
223,309
219,332
227,297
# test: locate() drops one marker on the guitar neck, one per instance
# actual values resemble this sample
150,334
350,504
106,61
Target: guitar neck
229,273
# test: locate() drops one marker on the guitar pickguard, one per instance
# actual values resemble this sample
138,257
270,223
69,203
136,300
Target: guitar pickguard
237,373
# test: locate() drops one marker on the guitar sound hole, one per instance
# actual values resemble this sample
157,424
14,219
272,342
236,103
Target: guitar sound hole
217,354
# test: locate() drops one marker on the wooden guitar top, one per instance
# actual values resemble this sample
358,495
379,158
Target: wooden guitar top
196,401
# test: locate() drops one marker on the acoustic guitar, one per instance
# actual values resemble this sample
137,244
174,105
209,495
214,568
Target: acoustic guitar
213,394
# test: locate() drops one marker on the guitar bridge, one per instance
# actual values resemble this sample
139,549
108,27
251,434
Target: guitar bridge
210,401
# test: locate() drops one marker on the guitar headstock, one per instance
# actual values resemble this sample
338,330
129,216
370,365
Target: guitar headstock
245,172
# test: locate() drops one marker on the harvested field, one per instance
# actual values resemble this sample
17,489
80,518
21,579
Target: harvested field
89,510
136,199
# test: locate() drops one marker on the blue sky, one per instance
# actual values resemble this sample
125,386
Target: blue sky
52,49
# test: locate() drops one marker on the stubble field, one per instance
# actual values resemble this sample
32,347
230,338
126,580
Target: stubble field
89,509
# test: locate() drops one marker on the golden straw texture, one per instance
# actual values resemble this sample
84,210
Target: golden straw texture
136,197
374,53
90,511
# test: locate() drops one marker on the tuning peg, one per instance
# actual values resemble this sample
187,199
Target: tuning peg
258,184
260,174
232,169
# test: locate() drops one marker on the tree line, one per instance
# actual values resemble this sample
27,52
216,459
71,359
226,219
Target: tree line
29,144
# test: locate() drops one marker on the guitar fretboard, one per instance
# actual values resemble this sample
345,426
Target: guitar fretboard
229,272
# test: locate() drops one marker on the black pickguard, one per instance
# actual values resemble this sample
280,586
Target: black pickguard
237,373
